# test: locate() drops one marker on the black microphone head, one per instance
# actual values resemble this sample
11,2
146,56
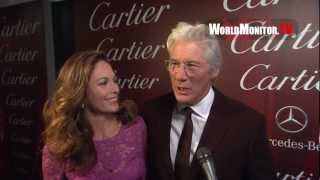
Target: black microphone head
203,154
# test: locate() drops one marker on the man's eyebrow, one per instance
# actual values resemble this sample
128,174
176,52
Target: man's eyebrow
192,61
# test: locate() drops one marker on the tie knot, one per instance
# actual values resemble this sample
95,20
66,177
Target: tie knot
187,111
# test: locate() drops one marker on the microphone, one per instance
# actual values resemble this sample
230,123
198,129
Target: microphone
205,159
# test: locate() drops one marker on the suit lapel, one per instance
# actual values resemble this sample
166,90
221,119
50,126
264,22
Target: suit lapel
217,124
215,128
166,112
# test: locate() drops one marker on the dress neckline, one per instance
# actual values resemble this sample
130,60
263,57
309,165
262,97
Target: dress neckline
110,138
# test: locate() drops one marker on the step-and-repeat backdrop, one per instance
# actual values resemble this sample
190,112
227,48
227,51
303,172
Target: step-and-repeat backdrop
277,75
23,89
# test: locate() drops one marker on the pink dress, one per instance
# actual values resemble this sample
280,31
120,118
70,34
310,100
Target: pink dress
121,157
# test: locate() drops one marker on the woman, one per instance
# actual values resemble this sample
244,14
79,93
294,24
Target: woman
89,134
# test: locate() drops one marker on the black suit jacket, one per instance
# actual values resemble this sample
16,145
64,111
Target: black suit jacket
234,133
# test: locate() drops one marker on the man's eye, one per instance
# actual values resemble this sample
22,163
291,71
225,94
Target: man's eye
191,65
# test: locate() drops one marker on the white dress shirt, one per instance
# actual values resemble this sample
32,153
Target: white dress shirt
199,118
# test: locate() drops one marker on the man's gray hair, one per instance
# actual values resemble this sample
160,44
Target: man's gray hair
198,33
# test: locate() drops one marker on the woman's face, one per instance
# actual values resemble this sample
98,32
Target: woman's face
102,90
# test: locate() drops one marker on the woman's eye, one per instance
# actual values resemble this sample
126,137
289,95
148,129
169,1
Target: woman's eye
103,82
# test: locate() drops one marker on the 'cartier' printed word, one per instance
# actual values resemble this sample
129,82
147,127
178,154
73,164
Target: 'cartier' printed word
137,82
19,120
138,14
302,175
304,80
20,55
9,77
274,44
135,51
20,139
23,27
14,100
249,4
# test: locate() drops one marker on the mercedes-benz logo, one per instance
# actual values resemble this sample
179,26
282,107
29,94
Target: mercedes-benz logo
291,119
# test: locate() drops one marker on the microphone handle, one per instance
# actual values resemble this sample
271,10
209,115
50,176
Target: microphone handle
209,170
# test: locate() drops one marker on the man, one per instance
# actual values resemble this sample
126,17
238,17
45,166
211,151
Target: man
234,133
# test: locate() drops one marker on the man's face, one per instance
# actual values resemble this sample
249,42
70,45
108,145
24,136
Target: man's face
190,73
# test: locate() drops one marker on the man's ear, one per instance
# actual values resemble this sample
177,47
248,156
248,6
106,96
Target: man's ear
213,72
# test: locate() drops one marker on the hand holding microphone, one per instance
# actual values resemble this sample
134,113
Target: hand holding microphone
206,162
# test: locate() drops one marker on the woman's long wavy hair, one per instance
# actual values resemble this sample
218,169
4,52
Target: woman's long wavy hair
68,135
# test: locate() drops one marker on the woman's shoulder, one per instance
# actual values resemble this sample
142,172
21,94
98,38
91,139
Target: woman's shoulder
45,150
51,167
47,154
136,122
135,128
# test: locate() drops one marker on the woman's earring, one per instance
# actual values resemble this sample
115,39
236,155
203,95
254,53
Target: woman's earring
82,106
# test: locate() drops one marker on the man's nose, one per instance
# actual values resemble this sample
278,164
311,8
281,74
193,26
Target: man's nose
180,73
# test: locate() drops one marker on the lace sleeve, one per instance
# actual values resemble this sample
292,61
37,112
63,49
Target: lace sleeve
51,168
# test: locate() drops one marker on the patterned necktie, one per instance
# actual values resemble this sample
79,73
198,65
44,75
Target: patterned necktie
184,147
